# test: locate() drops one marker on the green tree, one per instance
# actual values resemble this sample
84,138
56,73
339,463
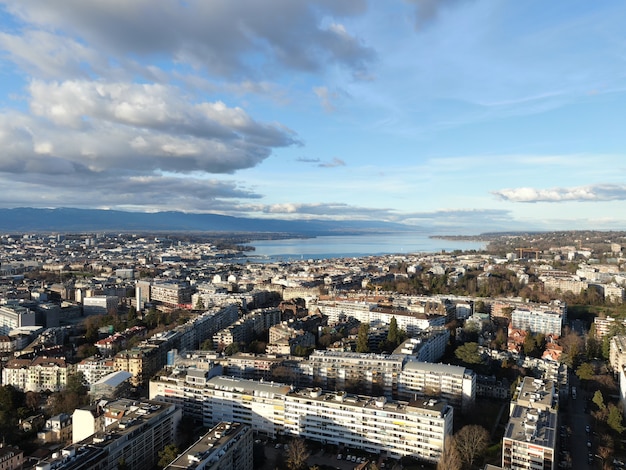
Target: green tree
468,353
362,345
598,399
585,371
392,335
614,419
167,455
231,349
200,304
76,384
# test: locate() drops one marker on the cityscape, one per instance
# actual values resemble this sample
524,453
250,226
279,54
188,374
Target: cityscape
152,351
312,235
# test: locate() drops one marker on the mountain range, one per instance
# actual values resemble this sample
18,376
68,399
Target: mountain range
66,220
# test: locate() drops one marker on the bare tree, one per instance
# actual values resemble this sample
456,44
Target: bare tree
450,459
470,442
297,454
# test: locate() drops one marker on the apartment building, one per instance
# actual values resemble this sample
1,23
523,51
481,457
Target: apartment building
548,321
604,325
417,428
11,457
455,384
284,339
142,362
94,368
100,305
121,431
36,375
245,329
225,446
617,353
335,370
529,440
172,293
15,316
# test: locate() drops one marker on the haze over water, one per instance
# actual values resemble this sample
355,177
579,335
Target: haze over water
354,246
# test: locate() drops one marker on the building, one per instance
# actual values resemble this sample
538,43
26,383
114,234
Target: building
36,375
121,431
11,457
94,368
617,353
15,316
455,384
171,293
548,321
416,428
529,440
225,446
111,386
284,339
337,370
100,305
56,429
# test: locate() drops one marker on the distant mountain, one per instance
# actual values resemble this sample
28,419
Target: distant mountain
67,220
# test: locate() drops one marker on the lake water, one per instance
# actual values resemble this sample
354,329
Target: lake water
355,246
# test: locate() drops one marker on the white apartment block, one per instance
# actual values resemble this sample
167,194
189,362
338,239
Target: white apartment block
412,322
225,446
170,293
572,285
358,422
547,321
455,384
15,316
375,425
94,368
334,370
617,353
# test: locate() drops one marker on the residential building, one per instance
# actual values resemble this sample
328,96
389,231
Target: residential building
617,353
547,321
56,429
36,375
15,316
417,428
455,384
227,446
11,457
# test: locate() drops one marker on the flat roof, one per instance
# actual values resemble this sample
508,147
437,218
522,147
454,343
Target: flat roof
533,426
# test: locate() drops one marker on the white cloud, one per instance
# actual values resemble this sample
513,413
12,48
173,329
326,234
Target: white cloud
601,192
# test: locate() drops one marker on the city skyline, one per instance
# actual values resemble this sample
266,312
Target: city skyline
463,116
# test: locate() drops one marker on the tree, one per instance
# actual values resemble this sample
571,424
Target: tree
231,349
468,353
362,345
470,442
32,400
297,454
598,399
572,345
450,459
167,455
76,384
585,371
392,335
614,421
200,304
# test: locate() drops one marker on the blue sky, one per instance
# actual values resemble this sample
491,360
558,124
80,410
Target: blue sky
461,116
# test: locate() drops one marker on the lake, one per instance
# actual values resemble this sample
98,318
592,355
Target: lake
355,246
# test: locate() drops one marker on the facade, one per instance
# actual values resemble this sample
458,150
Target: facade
94,368
11,458
56,429
415,428
284,340
100,305
15,316
141,362
335,370
171,293
545,321
455,384
36,375
617,353
225,446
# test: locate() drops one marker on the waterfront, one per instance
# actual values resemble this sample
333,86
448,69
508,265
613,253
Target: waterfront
355,246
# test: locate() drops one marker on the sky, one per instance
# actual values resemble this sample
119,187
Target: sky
460,116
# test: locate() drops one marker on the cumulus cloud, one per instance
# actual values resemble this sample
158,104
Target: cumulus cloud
601,192
335,162
103,126
234,39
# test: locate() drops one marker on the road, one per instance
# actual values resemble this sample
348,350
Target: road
577,420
